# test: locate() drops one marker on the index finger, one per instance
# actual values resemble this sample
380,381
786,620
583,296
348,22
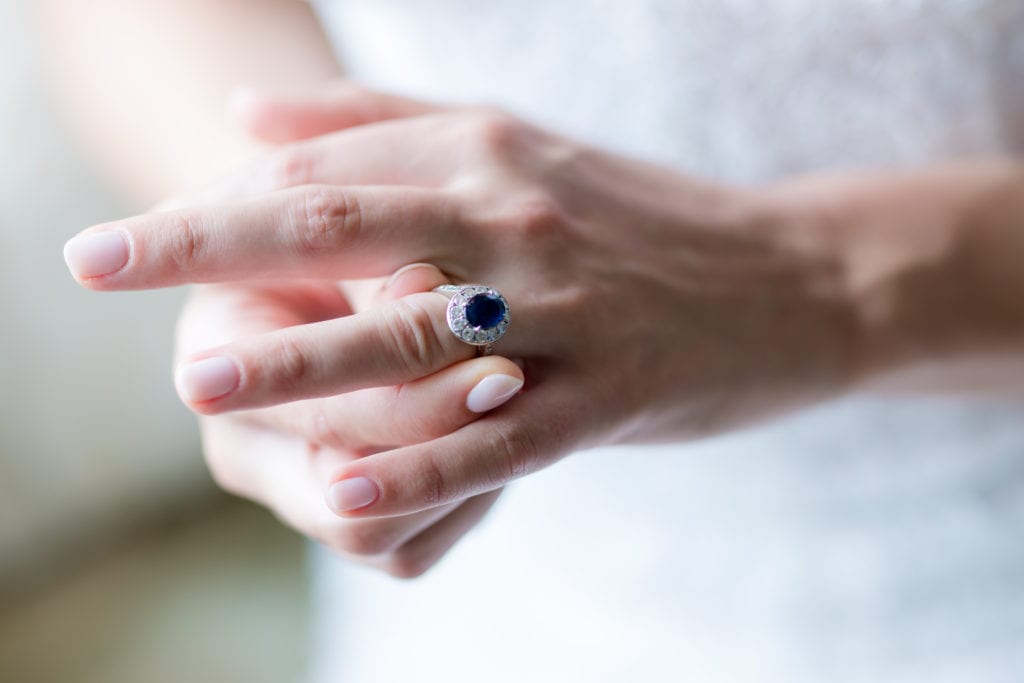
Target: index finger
310,231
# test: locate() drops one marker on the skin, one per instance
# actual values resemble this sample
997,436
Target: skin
647,305
145,84
160,125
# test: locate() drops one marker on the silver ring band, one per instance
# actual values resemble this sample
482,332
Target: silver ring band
477,315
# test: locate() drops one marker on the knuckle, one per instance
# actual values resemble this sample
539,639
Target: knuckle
432,484
290,167
314,423
537,218
514,452
186,242
414,339
289,365
328,219
493,131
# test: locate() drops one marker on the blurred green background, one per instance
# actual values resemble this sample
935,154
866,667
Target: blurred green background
119,560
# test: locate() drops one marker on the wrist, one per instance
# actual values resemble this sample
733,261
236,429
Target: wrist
928,264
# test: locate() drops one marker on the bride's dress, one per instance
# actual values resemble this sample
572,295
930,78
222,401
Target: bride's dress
866,540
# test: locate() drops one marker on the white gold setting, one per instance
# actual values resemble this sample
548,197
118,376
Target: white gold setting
459,313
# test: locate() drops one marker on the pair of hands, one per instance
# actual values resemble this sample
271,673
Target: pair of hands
646,306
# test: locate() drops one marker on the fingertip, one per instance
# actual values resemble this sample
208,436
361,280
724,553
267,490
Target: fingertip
412,279
95,254
352,494
203,381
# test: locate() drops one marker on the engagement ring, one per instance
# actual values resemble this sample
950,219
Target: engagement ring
477,315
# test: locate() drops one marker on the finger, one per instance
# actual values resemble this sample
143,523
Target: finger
415,557
282,473
280,116
415,277
268,467
310,231
414,152
415,412
397,343
368,540
375,292
371,541
214,315
480,457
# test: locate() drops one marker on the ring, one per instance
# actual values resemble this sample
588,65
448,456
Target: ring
477,315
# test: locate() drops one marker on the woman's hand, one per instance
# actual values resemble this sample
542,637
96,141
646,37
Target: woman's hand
646,305
250,454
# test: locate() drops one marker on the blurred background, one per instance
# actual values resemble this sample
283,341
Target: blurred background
119,561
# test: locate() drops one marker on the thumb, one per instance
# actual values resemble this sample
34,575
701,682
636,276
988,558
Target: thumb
280,116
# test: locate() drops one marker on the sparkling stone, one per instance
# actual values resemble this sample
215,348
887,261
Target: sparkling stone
485,310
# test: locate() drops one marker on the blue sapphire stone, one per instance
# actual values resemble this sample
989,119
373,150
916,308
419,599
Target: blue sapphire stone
485,311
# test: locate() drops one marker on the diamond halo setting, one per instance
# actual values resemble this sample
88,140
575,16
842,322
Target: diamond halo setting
476,314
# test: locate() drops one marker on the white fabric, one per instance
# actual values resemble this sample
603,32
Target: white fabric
865,540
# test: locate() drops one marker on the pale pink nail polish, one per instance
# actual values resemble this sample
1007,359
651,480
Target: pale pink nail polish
492,391
207,379
95,254
352,494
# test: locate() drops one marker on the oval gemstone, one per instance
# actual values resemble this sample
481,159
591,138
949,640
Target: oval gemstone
485,310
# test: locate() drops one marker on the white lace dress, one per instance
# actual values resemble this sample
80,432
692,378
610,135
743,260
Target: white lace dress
866,540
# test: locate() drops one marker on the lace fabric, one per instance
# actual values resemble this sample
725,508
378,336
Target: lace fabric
866,540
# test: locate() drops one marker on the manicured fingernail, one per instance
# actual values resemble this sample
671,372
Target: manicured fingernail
207,379
95,254
492,391
351,494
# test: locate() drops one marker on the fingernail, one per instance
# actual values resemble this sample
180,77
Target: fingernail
399,273
207,379
492,391
95,254
351,494
402,272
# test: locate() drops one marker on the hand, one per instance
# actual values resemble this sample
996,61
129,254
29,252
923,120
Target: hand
288,473
646,305
249,455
